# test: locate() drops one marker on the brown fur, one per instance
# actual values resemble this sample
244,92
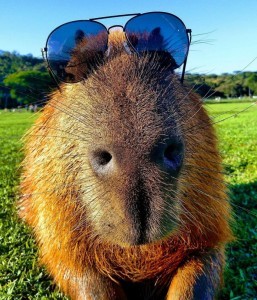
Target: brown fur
81,221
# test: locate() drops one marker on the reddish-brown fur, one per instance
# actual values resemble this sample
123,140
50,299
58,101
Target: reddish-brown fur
81,223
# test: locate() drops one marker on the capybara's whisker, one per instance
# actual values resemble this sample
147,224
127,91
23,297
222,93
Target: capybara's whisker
207,175
64,131
203,126
59,187
46,136
213,171
235,114
244,209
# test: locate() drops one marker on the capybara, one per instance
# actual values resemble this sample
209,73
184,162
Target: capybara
123,184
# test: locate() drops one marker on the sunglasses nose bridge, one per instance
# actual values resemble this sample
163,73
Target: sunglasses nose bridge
125,44
114,26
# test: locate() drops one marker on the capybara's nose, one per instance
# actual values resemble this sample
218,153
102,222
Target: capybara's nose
102,162
168,155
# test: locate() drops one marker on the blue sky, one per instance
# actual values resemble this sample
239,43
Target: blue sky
226,30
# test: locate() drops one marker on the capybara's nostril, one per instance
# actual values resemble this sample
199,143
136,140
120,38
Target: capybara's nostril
169,155
173,155
101,161
102,158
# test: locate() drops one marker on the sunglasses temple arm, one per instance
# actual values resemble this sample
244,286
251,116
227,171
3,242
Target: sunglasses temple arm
43,51
183,72
189,31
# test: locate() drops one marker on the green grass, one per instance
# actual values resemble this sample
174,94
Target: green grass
20,275
22,278
238,144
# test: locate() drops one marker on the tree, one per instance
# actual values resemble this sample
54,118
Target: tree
252,82
14,62
28,86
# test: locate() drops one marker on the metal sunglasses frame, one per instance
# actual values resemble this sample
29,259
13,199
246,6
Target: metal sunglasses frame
134,15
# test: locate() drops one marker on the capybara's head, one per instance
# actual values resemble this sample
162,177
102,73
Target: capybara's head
130,153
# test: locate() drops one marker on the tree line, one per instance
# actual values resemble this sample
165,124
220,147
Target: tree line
24,80
238,84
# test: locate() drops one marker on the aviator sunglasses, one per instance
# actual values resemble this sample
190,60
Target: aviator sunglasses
73,50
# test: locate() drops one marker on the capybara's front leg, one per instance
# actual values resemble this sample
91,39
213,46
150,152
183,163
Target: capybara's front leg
92,286
198,279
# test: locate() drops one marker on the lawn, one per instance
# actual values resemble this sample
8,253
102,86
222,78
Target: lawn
22,278
20,275
238,144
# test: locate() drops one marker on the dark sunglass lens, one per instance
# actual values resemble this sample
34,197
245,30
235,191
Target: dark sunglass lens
160,33
74,49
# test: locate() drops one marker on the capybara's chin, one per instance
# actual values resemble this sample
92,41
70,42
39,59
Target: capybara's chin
131,229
